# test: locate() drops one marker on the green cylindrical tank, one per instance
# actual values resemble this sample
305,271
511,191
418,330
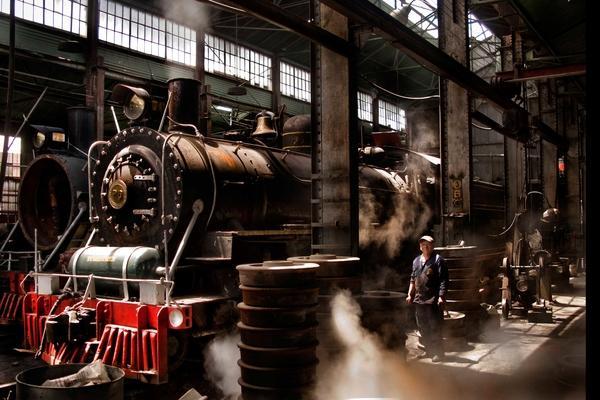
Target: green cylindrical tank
116,262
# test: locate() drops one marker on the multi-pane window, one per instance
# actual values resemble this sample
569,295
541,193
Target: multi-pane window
8,205
391,115
145,32
294,81
484,47
365,106
181,43
66,15
225,57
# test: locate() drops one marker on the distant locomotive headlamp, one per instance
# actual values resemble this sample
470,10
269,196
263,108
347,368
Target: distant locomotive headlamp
135,101
38,140
550,215
48,136
522,283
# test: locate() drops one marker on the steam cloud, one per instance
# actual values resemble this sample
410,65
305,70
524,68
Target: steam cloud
220,364
425,138
364,369
407,219
190,13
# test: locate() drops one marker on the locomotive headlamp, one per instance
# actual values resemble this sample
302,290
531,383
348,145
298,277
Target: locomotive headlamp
176,318
135,101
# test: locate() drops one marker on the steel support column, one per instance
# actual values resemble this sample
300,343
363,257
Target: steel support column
546,119
95,72
334,219
514,150
455,127
9,98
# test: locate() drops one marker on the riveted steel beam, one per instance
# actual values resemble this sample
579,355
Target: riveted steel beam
278,16
418,48
542,73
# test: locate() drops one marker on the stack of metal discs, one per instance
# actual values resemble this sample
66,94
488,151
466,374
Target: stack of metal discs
334,273
464,268
277,327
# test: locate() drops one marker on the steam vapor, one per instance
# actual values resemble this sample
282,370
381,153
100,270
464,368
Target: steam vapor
220,365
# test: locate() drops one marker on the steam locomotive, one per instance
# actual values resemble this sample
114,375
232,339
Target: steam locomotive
170,216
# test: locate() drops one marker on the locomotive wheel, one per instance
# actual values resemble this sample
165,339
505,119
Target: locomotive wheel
177,347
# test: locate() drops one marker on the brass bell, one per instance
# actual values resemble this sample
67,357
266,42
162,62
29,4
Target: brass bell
264,126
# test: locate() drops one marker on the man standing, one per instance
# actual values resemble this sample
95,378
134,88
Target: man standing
427,290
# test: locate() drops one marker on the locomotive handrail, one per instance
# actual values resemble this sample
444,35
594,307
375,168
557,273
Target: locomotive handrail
106,278
8,261
93,145
162,120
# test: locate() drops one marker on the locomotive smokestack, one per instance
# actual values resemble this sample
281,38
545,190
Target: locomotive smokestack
185,103
81,126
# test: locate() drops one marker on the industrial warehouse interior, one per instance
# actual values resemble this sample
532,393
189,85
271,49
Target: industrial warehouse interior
294,199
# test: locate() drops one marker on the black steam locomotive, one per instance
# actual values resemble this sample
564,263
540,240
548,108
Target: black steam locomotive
170,216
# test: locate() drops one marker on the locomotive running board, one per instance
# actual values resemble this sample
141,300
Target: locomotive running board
218,246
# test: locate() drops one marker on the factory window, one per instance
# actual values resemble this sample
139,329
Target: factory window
422,17
8,205
181,44
295,82
147,33
484,47
225,57
391,115
365,106
66,15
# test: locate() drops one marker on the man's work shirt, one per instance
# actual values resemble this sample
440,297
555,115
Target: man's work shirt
430,278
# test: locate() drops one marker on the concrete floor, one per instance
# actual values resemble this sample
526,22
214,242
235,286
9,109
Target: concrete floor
520,360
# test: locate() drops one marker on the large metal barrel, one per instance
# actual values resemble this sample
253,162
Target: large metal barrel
454,330
29,384
386,314
50,190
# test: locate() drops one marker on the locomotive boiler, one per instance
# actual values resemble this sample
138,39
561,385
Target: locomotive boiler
172,214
